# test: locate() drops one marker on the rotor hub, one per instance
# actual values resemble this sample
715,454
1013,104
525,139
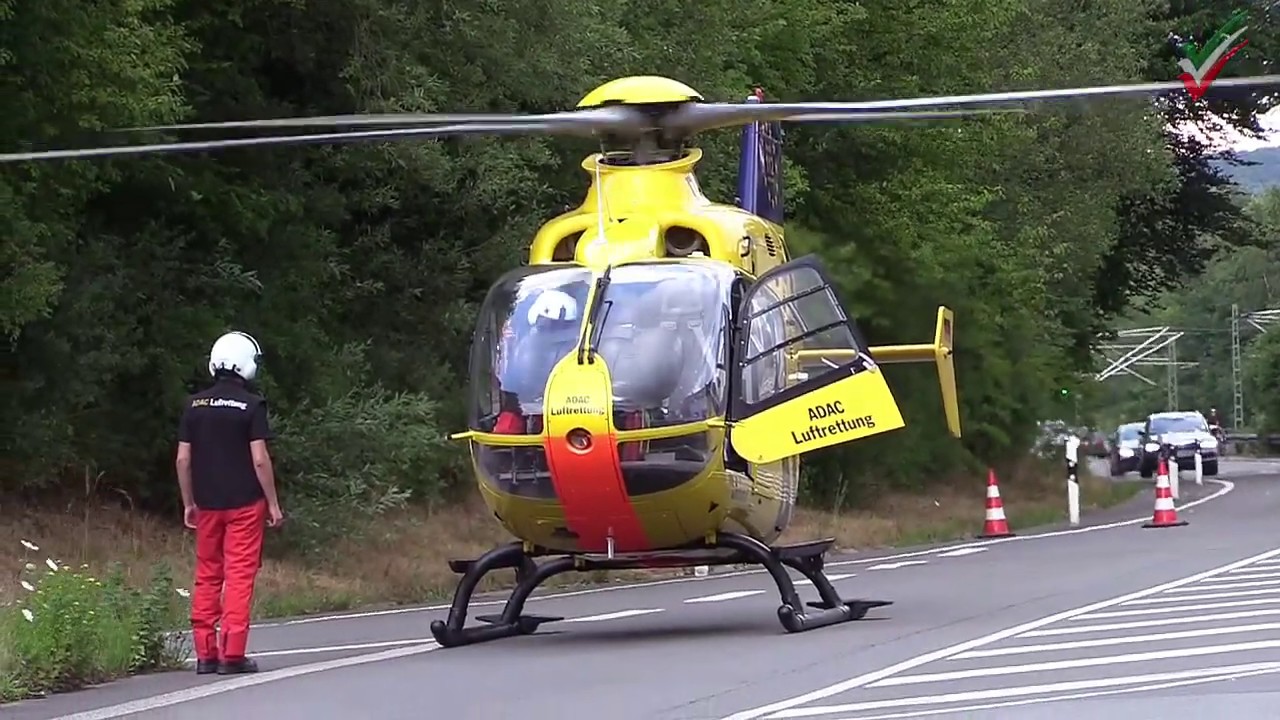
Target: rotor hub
644,90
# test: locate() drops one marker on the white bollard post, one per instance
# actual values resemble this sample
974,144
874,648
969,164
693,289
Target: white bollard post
1174,472
1199,468
1073,484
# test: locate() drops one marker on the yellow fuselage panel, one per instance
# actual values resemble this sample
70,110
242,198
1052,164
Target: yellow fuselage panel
714,500
629,211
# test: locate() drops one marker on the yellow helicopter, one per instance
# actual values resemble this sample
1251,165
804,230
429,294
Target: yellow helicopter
642,390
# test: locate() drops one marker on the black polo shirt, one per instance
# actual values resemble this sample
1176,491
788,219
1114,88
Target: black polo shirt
220,422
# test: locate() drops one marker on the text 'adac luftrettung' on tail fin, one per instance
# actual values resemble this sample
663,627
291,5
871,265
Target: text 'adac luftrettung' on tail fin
760,167
939,352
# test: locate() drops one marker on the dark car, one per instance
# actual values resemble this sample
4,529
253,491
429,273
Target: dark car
1182,434
1126,448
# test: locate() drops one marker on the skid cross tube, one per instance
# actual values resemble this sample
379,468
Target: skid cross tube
805,558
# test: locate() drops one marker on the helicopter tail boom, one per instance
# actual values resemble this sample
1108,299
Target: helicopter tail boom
941,352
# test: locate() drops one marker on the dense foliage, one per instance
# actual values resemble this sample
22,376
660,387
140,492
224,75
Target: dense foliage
360,267
1200,307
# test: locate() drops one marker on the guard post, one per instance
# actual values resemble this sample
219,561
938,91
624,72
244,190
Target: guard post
1073,481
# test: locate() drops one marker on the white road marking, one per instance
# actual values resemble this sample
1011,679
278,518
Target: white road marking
1201,587
1181,608
963,551
1122,640
1204,596
333,648
877,675
724,596
1158,622
1226,487
832,578
896,565
1195,677
615,615
243,681
1257,576
1075,663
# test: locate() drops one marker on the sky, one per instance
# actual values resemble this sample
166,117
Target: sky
1228,137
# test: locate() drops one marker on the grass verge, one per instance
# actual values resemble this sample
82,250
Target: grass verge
403,561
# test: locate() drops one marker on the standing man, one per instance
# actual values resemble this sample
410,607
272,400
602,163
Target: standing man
228,495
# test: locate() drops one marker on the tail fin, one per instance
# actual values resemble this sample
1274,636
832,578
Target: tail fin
940,352
760,167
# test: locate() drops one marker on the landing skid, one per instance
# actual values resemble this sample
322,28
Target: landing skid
805,558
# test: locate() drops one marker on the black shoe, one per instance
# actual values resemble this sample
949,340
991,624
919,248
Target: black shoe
235,667
205,667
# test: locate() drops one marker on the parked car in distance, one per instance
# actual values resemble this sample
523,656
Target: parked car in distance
1126,448
1182,433
1094,444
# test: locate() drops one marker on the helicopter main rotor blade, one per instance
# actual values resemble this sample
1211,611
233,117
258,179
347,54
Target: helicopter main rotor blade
266,140
902,115
706,116
593,118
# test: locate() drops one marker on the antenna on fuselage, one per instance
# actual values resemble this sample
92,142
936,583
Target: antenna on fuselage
602,207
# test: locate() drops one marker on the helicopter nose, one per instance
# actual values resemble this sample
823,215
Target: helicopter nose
582,456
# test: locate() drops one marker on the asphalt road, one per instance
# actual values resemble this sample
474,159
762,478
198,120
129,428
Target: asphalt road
1104,621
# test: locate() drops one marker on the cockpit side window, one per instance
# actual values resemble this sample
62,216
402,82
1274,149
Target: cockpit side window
765,375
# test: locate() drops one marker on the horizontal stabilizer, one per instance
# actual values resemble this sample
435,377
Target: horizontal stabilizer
940,352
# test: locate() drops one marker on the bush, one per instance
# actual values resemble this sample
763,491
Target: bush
343,463
72,629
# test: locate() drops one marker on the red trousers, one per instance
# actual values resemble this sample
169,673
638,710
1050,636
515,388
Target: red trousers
228,555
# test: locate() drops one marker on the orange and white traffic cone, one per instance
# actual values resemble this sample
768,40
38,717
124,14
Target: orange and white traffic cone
996,525
1165,515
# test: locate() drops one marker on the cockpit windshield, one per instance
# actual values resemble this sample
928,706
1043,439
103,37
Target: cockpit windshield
661,331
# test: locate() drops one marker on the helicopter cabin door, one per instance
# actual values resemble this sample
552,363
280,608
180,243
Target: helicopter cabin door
803,376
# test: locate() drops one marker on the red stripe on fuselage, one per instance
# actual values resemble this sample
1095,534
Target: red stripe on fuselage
593,494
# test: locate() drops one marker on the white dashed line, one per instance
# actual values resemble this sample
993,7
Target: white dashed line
615,615
896,565
724,596
832,578
963,551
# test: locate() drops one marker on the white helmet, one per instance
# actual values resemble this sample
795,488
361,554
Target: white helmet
553,305
237,352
